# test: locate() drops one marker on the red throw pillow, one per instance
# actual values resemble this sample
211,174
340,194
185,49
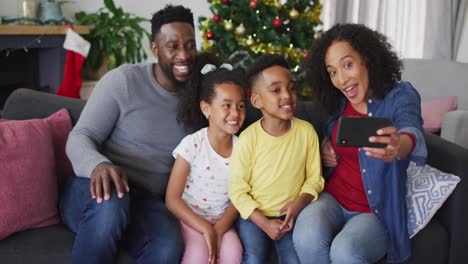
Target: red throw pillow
28,176
60,123
434,110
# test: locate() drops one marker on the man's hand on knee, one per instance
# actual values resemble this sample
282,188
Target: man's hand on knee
101,179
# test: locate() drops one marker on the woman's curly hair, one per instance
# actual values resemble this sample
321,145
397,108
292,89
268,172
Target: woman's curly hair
382,63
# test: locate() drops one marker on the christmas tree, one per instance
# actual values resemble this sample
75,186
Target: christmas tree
242,30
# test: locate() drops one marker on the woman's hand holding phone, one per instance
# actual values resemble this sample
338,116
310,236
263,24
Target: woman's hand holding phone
389,136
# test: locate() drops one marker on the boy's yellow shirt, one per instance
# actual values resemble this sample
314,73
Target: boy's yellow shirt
267,172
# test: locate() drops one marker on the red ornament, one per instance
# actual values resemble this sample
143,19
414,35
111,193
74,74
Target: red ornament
209,35
305,54
225,2
277,22
253,4
216,18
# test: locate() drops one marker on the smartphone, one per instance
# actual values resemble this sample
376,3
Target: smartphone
355,131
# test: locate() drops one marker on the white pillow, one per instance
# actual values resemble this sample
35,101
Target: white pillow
427,189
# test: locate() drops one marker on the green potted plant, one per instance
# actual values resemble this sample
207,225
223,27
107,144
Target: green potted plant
116,37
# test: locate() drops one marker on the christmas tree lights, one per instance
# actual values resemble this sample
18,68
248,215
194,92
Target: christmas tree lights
242,30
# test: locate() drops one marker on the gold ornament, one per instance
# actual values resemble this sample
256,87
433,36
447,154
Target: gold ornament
293,14
228,25
240,30
207,45
278,5
249,41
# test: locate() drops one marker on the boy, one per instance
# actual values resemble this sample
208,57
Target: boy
275,166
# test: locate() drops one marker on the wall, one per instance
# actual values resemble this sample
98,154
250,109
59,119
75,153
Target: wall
143,8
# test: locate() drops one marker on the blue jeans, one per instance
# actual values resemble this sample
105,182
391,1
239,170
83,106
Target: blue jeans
327,233
139,222
257,244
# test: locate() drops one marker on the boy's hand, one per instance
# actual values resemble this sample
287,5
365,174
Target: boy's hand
211,239
292,209
273,229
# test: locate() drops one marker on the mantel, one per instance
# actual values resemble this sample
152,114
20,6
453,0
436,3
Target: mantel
33,56
40,30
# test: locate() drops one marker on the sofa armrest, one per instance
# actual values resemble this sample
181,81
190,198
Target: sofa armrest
26,104
455,127
451,158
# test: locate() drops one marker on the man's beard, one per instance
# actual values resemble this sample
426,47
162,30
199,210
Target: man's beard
170,75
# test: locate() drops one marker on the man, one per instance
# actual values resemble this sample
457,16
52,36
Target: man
128,128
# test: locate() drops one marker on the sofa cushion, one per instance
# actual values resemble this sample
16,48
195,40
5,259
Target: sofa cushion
427,190
28,181
52,244
434,110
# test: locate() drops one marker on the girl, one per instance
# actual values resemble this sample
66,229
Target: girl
197,192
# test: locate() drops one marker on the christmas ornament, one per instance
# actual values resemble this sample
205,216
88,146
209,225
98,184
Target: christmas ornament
277,22
207,45
216,18
209,35
240,30
225,2
249,41
228,25
278,5
305,54
253,4
293,14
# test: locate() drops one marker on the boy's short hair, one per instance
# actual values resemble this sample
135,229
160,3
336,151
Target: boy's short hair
170,13
264,62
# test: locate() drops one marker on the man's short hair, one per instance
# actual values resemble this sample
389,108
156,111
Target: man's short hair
170,13
264,62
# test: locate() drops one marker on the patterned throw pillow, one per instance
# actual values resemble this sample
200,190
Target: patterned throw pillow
427,190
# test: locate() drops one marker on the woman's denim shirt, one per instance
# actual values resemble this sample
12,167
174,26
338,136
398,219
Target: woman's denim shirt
385,183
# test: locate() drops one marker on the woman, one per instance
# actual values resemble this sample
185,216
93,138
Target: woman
361,215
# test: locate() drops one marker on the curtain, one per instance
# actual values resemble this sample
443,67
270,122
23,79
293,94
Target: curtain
416,28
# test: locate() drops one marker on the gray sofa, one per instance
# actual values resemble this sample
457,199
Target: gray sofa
443,241
439,78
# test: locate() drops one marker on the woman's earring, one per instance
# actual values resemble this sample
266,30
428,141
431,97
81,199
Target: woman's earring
207,117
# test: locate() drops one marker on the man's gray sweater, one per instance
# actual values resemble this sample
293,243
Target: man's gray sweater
130,121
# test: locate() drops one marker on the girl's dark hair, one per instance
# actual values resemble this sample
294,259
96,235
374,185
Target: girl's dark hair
382,63
202,87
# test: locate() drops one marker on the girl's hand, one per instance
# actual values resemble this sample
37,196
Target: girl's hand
391,137
329,157
219,238
211,240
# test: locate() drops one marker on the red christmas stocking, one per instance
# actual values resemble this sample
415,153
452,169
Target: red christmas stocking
77,51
